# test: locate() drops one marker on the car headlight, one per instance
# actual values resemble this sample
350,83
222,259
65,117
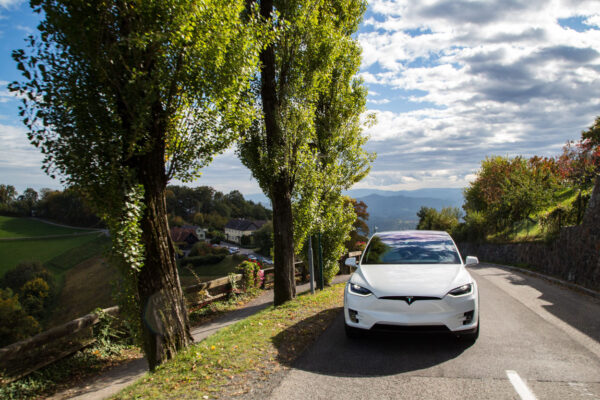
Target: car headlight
461,290
358,290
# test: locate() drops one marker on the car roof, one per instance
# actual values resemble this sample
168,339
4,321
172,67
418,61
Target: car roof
415,235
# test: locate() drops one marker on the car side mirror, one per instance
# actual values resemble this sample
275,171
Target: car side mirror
471,260
351,262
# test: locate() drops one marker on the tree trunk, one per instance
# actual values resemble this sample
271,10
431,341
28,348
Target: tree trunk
281,186
164,317
284,285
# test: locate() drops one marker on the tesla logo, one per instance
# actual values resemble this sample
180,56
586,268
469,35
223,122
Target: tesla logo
409,300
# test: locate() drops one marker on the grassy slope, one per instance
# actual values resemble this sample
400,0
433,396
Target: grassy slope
23,227
230,361
86,286
527,230
44,250
208,272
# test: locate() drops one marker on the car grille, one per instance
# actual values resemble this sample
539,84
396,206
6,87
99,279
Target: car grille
409,298
409,328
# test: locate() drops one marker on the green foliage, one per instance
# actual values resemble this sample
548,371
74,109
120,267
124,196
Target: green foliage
360,232
24,272
309,146
123,96
508,190
203,249
33,296
8,194
67,207
263,239
15,323
251,274
110,334
206,207
84,364
445,220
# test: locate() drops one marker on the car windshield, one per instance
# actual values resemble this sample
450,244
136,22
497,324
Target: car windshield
411,249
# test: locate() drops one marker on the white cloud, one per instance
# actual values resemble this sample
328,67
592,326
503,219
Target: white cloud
493,78
380,101
593,20
10,3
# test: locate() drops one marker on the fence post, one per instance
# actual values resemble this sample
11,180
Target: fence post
311,266
322,279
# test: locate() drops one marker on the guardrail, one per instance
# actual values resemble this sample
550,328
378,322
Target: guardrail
26,356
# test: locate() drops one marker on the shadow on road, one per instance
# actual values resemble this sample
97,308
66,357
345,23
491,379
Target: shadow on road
578,310
376,354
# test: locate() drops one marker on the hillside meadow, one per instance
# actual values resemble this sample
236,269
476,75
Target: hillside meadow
14,227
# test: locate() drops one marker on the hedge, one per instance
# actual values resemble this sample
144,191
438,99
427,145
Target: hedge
202,260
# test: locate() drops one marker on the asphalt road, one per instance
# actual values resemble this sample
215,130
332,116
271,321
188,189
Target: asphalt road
537,340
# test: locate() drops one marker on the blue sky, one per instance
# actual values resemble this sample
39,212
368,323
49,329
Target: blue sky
450,81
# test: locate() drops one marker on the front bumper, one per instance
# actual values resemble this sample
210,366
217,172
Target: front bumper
457,314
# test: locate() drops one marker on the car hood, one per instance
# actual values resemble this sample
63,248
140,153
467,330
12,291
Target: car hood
431,280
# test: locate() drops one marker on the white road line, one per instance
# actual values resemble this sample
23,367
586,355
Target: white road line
520,386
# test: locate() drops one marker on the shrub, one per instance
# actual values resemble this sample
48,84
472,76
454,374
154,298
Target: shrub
33,296
25,272
253,275
15,324
205,249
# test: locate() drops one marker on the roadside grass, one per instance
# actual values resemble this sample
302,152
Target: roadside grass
202,314
15,227
71,371
43,250
229,362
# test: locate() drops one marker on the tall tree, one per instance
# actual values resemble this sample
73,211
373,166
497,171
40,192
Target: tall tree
123,95
309,38
338,159
7,194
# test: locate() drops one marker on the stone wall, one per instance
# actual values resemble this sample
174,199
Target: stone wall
573,256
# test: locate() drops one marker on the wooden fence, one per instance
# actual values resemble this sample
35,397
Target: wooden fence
24,357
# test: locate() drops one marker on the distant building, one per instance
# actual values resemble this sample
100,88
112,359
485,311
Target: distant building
236,228
185,234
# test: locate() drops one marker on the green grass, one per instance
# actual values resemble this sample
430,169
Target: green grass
228,362
43,250
204,272
75,255
532,231
12,227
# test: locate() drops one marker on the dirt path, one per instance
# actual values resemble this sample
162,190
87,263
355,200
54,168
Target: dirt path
112,381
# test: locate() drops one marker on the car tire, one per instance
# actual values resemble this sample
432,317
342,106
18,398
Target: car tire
353,333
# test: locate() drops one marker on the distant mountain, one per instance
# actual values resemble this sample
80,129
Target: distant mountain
391,210
452,194
394,211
